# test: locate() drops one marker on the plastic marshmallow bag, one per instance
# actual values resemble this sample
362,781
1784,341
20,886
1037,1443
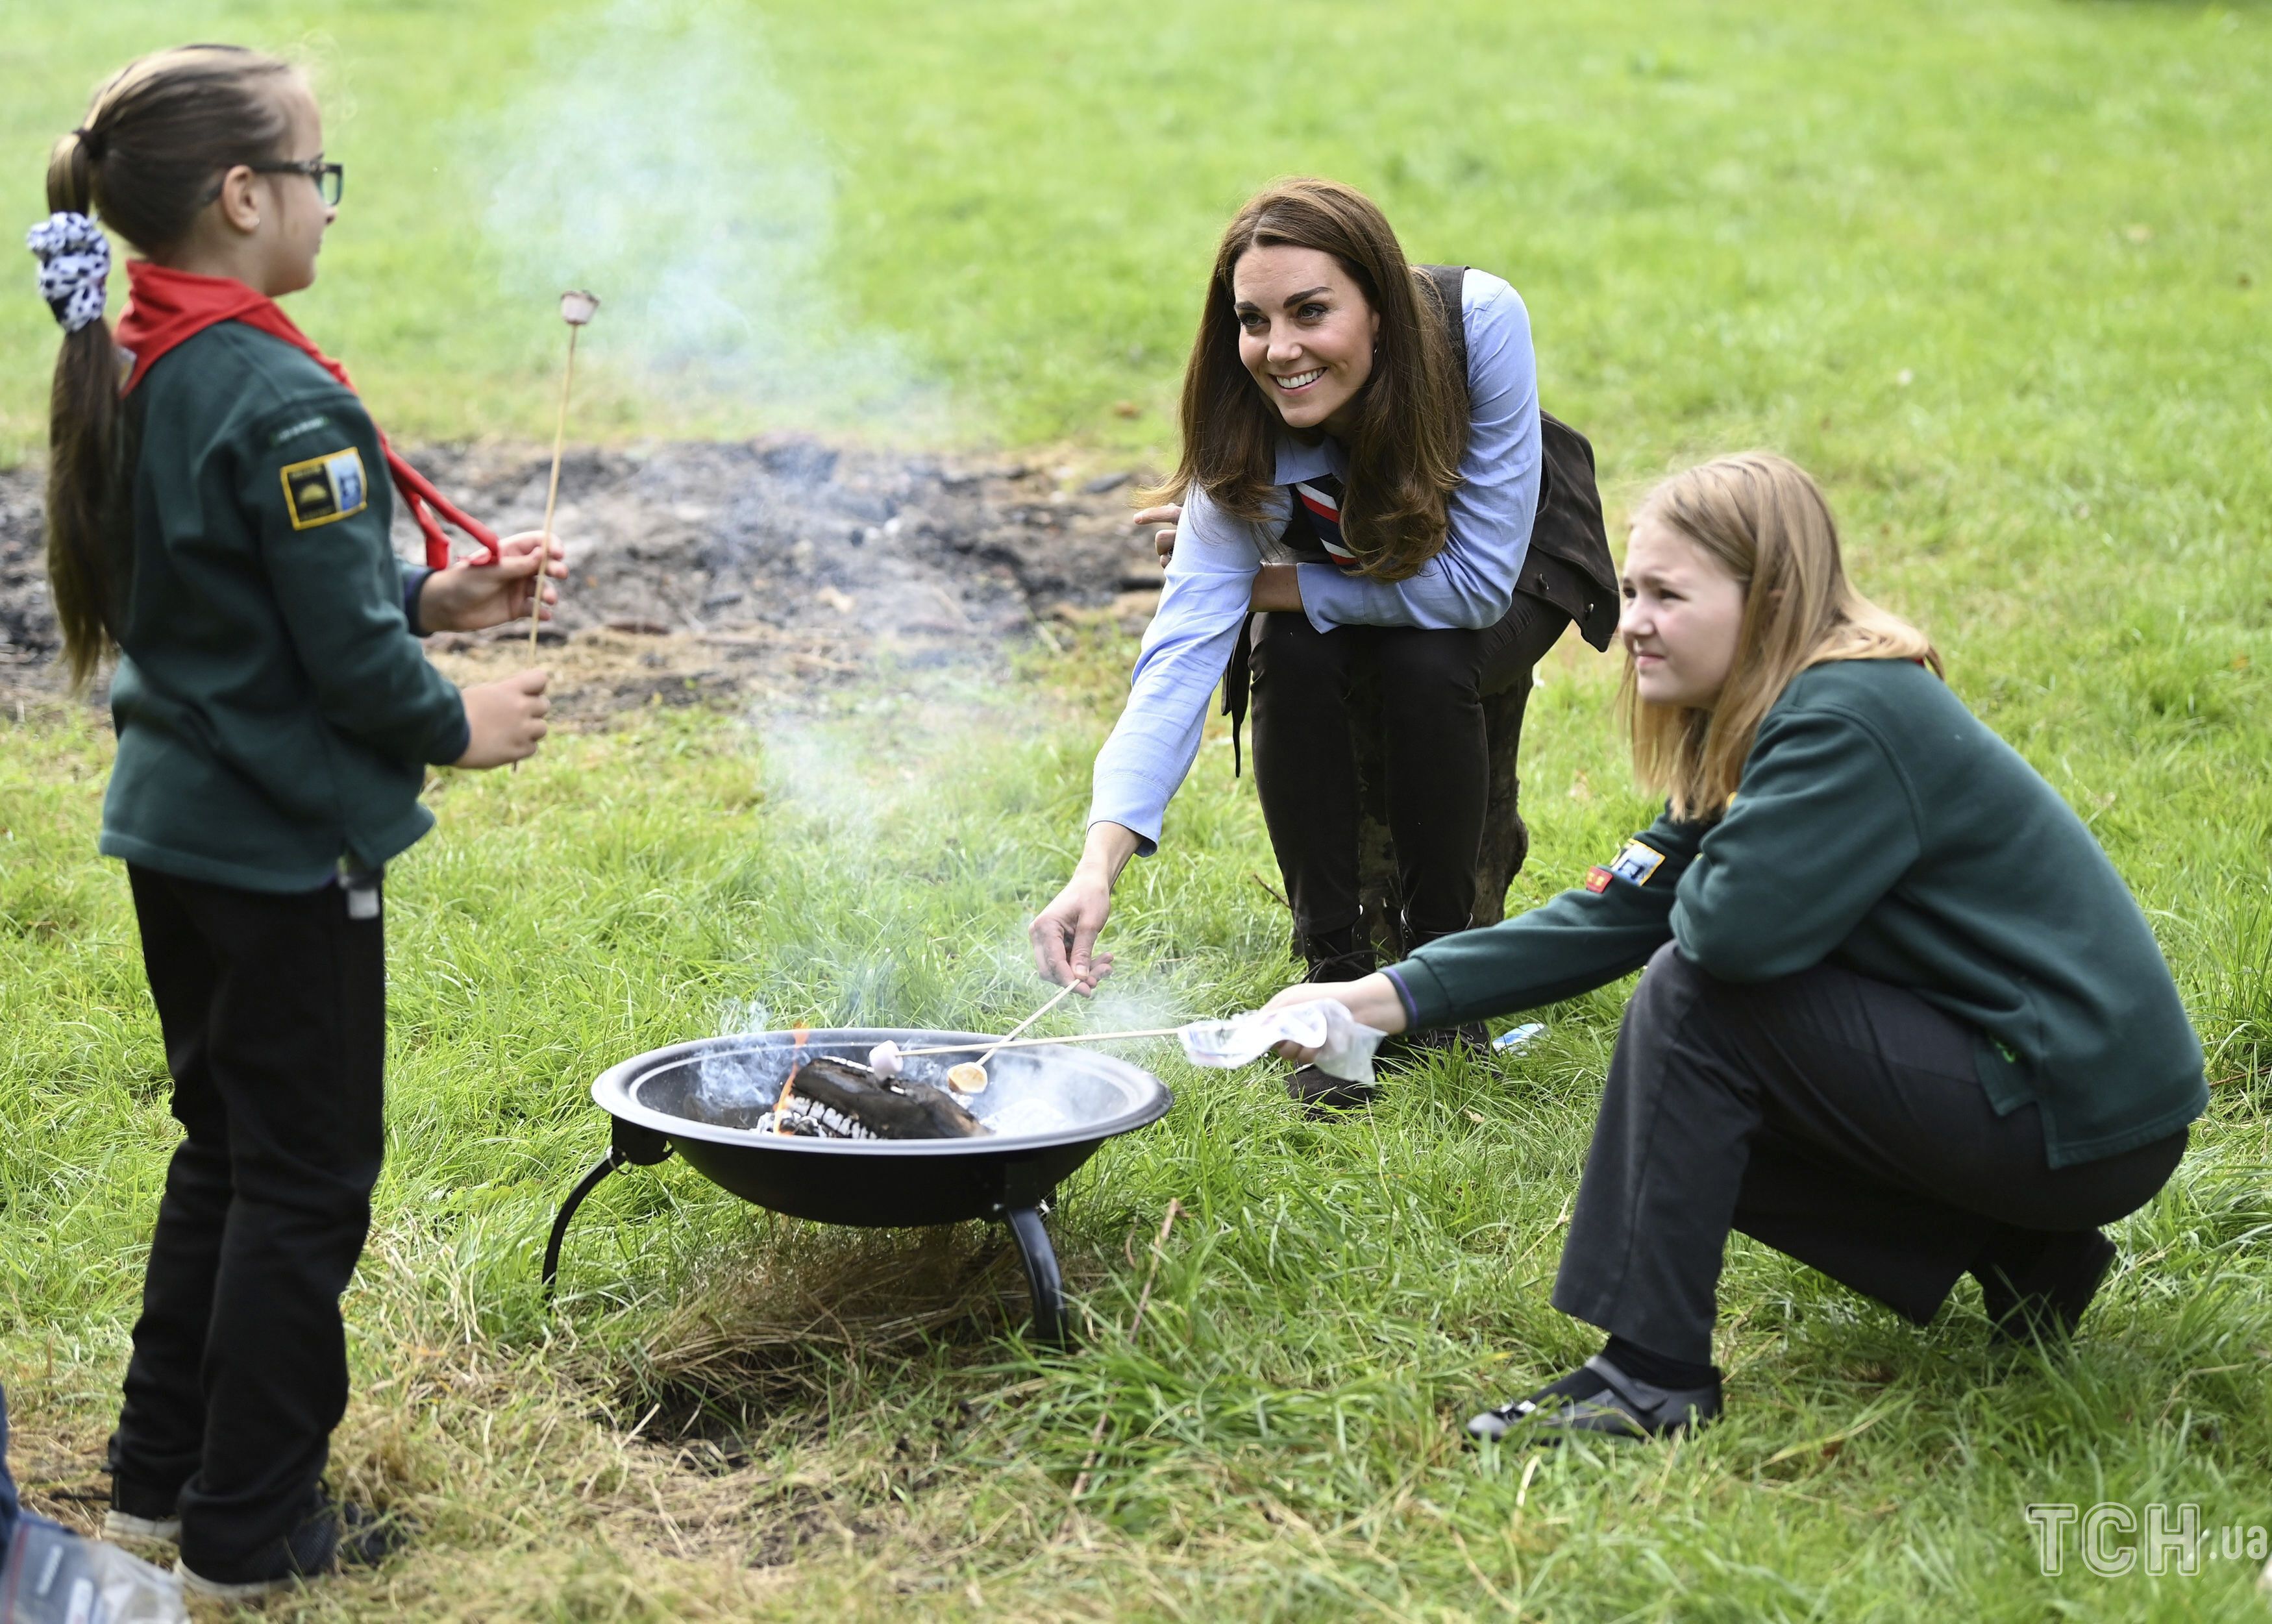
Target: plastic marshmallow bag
53,1576
1343,1042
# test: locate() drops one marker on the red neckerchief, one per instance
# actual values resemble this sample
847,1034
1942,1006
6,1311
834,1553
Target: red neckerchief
166,308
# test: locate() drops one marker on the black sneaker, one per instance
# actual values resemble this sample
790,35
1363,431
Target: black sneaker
1599,1399
2037,1287
139,1514
1322,1094
331,1538
1344,954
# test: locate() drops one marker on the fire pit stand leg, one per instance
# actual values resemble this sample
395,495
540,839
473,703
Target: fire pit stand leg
633,1146
583,1187
1042,1275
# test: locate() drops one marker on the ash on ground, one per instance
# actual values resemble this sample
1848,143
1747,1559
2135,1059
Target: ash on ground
702,572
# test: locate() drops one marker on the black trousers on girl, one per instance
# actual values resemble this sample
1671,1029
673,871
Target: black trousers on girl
1838,1119
1436,765
274,1016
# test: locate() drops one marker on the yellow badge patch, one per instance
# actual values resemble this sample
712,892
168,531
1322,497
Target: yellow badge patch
327,487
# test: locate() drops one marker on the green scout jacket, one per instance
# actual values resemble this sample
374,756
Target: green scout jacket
1879,825
276,716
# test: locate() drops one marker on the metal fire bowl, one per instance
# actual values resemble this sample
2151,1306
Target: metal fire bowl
1050,1108
1083,1097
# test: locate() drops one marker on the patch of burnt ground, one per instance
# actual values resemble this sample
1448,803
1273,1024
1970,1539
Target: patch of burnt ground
706,571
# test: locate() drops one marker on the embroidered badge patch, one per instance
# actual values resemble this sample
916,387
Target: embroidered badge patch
1637,863
325,488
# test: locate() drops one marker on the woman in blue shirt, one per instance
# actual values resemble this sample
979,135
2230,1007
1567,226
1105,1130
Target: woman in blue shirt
1346,496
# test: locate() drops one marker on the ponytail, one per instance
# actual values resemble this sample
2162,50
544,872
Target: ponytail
156,139
82,425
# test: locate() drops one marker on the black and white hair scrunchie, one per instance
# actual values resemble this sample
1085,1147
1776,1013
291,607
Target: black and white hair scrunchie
74,267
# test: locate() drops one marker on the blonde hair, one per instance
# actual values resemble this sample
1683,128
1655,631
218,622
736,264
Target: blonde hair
1763,520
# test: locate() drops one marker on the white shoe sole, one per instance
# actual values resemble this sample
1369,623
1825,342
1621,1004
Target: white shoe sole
119,1525
197,1584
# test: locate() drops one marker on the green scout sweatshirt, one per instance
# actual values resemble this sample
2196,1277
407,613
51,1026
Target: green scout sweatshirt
276,716
1880,826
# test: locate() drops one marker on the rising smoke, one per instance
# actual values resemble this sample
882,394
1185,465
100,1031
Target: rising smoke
860,793
657,159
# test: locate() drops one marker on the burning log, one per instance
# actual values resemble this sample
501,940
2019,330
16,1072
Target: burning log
829,1098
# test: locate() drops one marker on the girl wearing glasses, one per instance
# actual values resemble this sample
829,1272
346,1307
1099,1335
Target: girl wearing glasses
218,509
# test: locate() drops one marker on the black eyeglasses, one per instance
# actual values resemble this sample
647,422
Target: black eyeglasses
330,178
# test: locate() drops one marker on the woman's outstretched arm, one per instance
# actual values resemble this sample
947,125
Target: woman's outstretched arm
1203,609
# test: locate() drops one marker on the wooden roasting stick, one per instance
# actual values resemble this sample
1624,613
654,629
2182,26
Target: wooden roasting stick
576,309
1029,1020
1037,1043
970,1076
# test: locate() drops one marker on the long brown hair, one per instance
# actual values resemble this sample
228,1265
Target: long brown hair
1763,520
1412,414
155,139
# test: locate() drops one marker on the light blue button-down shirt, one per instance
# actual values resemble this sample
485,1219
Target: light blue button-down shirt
1468,584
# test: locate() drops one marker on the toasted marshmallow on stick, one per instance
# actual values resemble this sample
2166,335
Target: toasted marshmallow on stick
577,307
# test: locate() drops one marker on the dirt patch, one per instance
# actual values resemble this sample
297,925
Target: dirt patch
704,569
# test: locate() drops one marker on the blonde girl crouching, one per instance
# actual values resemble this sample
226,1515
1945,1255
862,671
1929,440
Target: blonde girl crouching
1899,1017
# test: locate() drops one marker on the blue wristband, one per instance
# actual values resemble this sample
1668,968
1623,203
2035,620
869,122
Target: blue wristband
414,582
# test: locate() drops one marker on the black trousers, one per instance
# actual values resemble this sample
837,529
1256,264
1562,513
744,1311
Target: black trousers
11,1508
274,1016
1435,758
1838,1119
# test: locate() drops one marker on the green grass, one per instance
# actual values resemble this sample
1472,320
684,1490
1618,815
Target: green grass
1994,271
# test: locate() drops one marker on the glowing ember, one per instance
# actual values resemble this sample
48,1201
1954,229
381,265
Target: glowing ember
788,1084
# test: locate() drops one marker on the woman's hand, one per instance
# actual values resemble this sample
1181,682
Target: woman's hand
504,719
1064,934
1372,1001
1164,541
1278,587
466,597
